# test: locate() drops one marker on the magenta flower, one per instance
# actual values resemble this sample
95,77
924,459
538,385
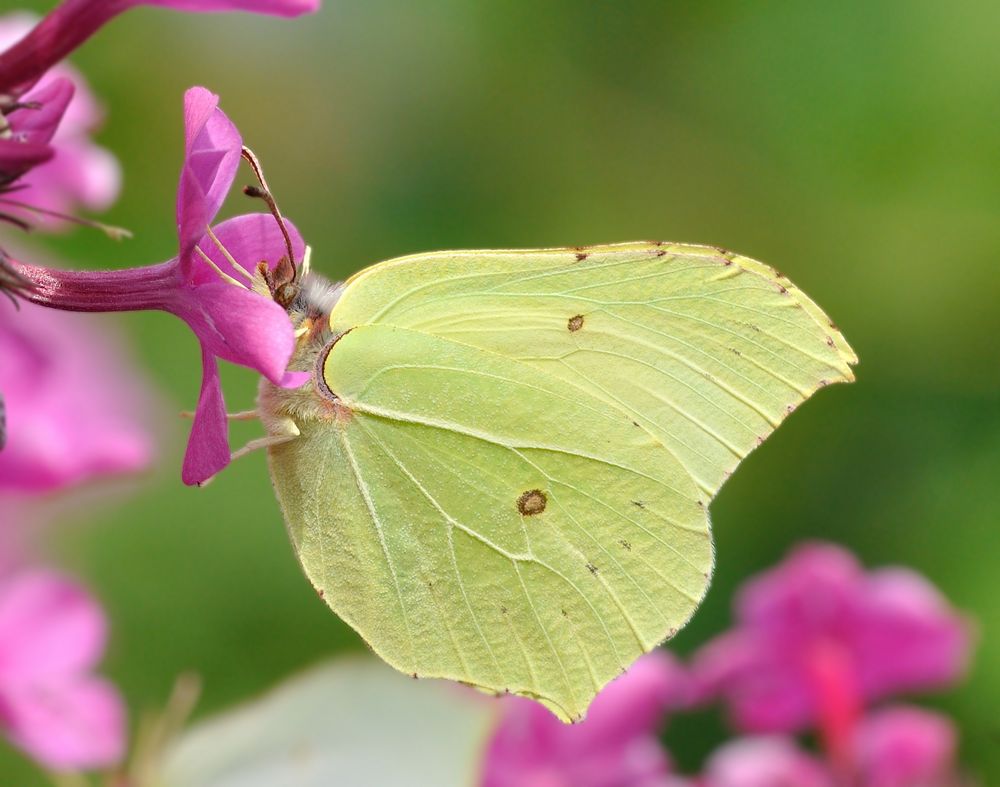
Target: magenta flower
895,747
52,122
52,634
906,747
74,21
767,761
218,284
817,637
615,746
76,408
27,130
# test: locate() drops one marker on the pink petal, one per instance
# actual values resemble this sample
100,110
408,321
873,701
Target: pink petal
911,637
906,747
812,583
615,745
208,445
76,409
764,762
17,158
294,379
212,147
249,239
49,628
71,724
241,327
274,7
636,703
39,125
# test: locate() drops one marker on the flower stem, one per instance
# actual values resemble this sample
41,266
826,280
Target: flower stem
98,291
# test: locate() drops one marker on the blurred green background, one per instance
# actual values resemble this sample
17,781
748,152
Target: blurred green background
853,145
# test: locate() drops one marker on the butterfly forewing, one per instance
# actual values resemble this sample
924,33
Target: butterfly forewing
707,350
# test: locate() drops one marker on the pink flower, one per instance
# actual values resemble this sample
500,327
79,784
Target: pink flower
906,747
26,131
764,762
894,747
57,115
615,746
74,21
817,637
233,323
229,307
75,407
52,634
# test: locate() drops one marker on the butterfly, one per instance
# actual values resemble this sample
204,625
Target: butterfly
501,469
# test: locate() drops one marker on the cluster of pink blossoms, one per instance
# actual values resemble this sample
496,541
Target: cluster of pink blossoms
818,644
72,410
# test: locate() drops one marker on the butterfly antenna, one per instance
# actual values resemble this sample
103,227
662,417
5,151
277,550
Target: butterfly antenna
264,193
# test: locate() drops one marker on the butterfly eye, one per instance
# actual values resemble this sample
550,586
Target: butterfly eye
285,294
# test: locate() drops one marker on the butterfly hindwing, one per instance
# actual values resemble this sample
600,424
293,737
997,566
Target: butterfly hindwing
476,520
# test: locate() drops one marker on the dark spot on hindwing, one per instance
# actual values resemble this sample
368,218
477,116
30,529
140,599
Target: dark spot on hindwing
575,322
581,256
531,502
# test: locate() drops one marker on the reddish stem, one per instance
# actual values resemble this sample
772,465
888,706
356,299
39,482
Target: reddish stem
52,39
132,289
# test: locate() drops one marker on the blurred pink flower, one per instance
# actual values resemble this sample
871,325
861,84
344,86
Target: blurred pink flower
74,21
906,747
75,409
227,306
764,762
57,115
615,746
817,637
894,747
52,634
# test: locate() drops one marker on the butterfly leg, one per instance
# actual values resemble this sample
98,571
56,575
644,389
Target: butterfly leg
243,415
260,442
284,430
